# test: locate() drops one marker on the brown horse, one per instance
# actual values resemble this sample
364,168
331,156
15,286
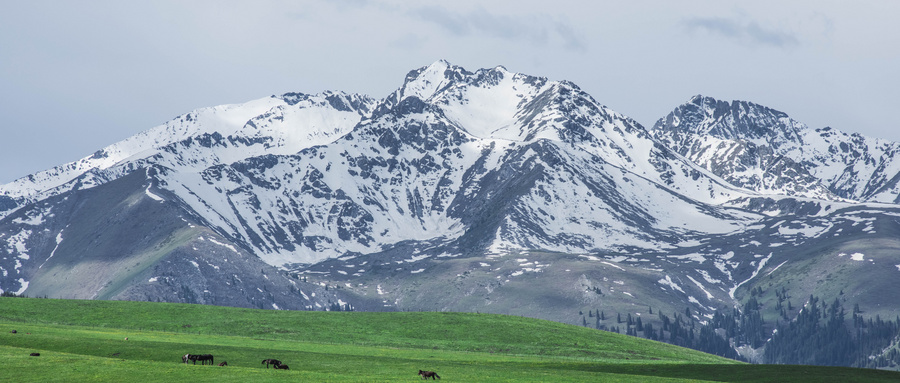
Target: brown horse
428,374
274,362
223,364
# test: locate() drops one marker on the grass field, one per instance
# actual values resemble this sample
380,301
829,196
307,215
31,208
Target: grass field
83,341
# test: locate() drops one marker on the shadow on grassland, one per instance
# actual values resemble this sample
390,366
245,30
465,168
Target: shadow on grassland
744,372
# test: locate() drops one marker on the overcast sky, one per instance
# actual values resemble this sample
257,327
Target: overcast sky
76,76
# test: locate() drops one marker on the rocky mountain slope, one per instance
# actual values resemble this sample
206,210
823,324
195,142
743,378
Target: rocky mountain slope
764,150
484,191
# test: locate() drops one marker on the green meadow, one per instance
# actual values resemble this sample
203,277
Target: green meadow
85,341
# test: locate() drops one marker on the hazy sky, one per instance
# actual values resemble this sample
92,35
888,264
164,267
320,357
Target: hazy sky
76,76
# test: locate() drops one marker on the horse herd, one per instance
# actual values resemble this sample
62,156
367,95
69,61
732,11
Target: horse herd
276,364
203,358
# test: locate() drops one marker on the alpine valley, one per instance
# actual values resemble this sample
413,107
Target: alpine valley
726,227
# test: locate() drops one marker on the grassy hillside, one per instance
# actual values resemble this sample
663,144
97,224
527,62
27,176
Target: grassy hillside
85,341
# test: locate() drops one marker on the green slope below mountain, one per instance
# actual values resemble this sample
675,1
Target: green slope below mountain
106,341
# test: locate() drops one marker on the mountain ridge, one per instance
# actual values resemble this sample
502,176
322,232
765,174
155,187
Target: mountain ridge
484,191
765,150
223,124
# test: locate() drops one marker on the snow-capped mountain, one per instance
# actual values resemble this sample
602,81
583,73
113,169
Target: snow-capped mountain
203,138
762,149
39,211
485,191
558,171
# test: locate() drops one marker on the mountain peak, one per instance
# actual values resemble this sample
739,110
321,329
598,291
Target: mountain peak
709,104
731,120
748,145
429,80
495,103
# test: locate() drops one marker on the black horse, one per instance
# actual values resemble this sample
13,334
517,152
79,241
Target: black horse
194,358
429,374
274,362
281,367
204,358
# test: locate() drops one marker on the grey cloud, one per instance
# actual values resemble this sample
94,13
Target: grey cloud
570,37
725,27
770,37
481,22
749,31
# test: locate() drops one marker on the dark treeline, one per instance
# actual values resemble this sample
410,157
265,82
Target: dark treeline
681,329
821,334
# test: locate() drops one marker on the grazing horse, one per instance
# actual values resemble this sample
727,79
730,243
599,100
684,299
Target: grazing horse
223,364
274,362
428,374
194,358
281,367
204,358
